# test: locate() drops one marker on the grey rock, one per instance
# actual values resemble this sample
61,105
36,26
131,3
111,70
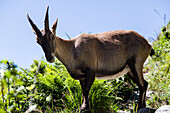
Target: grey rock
146,110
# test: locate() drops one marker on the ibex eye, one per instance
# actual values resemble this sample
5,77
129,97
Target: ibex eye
51,36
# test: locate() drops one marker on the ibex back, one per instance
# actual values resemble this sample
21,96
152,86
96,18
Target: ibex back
107,55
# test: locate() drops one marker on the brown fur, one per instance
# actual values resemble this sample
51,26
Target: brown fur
108,51
103,54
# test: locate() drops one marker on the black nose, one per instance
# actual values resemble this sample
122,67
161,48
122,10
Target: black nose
49,58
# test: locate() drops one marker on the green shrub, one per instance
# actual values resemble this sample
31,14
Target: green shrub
50,88
159,70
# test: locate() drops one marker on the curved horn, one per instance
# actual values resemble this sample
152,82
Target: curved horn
34,27
46,20
54,26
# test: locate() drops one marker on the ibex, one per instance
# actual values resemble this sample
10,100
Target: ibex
107,55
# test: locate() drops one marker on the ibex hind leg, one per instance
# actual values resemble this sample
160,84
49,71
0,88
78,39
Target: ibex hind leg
137,77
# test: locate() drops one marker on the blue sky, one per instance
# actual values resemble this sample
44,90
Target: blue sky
17,41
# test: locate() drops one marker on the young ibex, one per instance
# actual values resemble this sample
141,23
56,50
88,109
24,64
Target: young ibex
107,55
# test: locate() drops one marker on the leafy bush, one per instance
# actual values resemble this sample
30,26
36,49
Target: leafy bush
49,88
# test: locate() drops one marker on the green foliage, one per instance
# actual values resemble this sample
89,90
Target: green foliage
159,70
110,95
49,88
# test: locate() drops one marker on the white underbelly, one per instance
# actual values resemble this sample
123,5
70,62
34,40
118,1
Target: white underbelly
117,75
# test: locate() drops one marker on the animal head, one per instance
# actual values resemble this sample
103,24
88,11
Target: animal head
46,37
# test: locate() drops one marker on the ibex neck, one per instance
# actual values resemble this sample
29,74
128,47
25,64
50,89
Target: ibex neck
64,50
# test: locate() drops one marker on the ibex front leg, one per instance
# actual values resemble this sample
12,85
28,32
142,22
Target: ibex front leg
86,85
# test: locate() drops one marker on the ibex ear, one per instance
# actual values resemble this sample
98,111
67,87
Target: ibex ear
54,26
